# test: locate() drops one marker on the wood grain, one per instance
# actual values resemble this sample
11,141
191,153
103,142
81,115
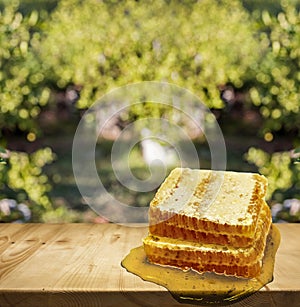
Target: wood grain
79,265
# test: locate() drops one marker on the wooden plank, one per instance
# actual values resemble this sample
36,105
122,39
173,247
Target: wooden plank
79,265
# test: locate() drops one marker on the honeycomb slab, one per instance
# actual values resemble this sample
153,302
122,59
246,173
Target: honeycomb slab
210,221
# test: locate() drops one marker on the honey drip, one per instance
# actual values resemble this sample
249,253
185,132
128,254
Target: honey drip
206,288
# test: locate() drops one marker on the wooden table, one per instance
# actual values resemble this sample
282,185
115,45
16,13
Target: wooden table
79,265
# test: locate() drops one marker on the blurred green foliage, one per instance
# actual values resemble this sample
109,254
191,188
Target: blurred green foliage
22,178
22,94
22,90
27,6
276,89
199,45
282,173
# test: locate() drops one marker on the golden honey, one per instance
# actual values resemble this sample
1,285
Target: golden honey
206,288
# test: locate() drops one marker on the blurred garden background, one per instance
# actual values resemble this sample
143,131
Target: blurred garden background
242,58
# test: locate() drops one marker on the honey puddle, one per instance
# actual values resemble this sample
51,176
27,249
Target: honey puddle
206,288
